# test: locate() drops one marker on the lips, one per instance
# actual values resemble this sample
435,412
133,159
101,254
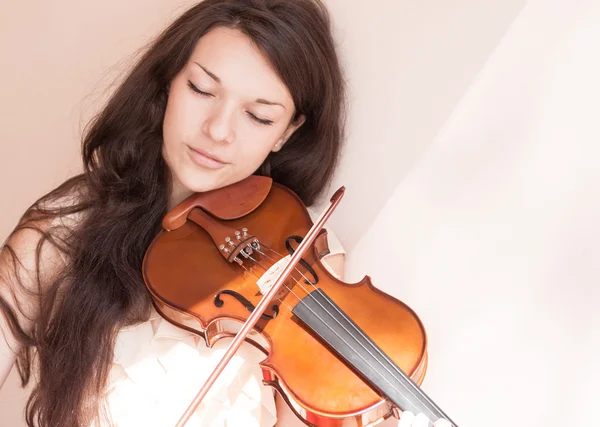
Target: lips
206,159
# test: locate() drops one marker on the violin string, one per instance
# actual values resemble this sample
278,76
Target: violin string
286,286
354,326
340,337
299,283
289,307
396,368
275,261
295,268
308,294
400,380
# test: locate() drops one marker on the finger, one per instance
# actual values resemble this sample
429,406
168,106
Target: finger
420,421
406,419
442,423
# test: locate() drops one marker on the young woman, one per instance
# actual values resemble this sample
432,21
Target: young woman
231,88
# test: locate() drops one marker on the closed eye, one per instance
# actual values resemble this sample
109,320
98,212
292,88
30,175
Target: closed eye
194,88
198,91
261,121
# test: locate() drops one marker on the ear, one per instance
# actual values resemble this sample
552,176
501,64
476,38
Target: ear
292,127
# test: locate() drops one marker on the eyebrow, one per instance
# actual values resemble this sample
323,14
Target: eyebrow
218,80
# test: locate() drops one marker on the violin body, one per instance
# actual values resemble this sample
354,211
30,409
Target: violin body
195,284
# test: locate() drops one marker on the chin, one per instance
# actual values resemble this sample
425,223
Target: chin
201,184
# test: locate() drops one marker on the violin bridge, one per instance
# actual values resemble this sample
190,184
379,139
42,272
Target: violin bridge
268,279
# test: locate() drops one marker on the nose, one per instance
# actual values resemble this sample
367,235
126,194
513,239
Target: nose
219,123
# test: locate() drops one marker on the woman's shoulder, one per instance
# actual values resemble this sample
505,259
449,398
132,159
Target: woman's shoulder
34,246
34,252
65,205
27,262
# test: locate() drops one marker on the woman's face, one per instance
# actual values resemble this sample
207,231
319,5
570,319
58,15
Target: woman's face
227,109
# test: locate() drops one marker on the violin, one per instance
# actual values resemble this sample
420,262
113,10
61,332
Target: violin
243,261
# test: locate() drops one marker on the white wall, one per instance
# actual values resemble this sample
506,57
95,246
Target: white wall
408,64
493,236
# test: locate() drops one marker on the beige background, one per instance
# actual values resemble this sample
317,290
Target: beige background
472,185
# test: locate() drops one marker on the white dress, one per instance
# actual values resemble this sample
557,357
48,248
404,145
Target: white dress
158,369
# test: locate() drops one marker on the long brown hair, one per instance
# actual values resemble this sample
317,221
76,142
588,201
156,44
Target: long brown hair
122,195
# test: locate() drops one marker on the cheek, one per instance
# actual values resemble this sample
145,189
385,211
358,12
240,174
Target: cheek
256,145
250,157
174,131
174,120
181,115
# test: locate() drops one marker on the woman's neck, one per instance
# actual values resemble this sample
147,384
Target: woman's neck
178,193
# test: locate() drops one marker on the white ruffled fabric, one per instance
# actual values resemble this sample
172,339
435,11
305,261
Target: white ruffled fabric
158,369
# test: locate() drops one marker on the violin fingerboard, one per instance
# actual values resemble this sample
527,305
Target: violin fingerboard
352,345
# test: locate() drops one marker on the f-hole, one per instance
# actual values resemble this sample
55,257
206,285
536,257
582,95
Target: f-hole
242,300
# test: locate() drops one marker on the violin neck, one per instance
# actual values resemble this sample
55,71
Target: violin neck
352,345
